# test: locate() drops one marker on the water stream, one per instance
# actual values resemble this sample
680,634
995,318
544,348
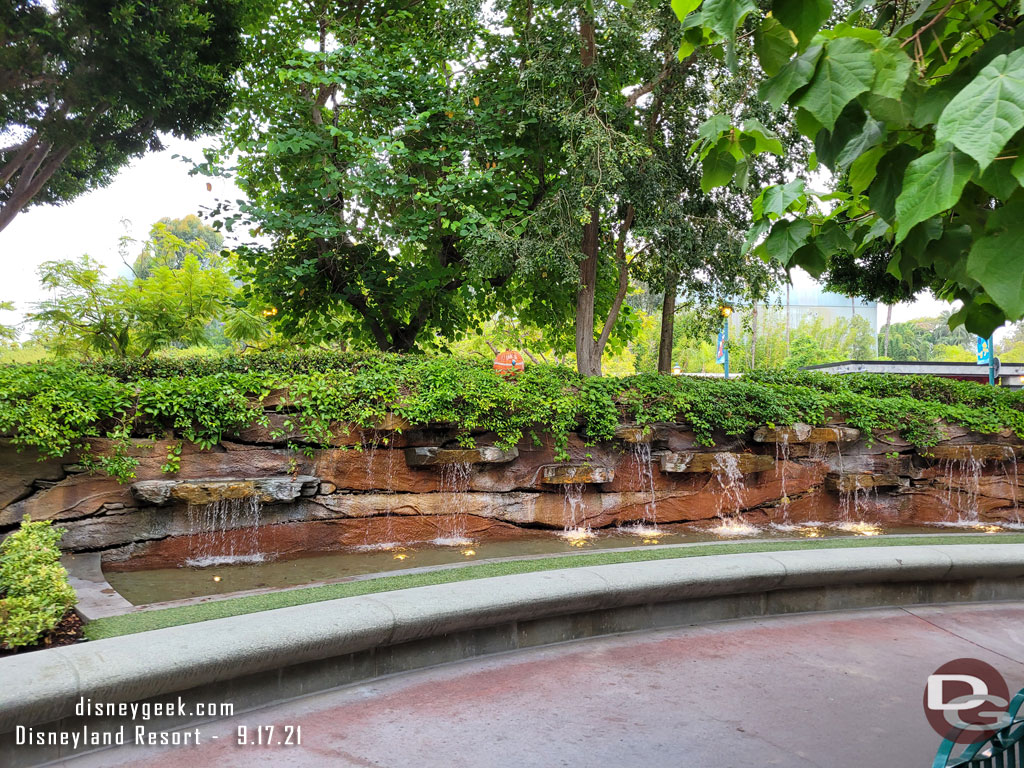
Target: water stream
225,532
383,538
963,486
781,465
454,486
730,480
577,529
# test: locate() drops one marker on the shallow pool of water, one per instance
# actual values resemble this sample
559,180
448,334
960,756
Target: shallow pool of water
160,585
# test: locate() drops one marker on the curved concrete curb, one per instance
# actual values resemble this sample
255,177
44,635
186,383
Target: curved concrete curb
275,655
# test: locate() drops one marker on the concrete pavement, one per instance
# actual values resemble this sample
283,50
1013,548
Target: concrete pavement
830,689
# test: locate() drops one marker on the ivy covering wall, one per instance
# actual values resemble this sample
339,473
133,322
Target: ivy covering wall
55,408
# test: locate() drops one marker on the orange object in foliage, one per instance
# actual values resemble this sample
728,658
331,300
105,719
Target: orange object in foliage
508,363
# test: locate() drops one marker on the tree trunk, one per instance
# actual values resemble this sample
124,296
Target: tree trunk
588,358
668,323
888,326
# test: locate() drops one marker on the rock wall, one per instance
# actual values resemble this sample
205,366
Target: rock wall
388,486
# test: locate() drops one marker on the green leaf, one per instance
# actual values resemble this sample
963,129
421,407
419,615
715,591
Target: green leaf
718,168
684,8
998,180
932,184
889,180
1017,169
892,69
786,238
983,117
713,127
765,140
795,75
871,135
833,238
754,233
776,199
862,170
981,317
804,17
811,259
774,45
723,16
997,259
844,72
685,49
828,144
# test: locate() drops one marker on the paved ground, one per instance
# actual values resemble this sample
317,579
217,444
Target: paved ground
831,690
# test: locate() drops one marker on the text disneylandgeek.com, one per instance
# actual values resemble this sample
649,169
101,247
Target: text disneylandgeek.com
144,735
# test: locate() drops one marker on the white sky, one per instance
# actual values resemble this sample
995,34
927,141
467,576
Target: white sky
152,187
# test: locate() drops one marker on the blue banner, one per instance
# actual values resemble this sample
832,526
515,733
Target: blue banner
720,358
984,351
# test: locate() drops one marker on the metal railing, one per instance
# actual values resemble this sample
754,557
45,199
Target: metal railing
1004,749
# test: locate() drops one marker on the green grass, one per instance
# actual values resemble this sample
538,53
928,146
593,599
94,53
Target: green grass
190,614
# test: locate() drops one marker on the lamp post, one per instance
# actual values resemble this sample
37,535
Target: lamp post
726,311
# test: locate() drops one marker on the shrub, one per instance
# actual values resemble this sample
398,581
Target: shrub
33,584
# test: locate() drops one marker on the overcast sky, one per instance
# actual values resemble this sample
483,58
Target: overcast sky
152,187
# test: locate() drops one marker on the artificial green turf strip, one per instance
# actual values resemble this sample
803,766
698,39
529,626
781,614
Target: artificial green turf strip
188,614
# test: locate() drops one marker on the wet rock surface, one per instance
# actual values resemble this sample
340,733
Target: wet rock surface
392,482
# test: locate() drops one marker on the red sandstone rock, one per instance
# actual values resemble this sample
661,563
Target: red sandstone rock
22,469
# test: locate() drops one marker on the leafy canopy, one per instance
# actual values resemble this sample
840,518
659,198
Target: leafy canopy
85,85
918,109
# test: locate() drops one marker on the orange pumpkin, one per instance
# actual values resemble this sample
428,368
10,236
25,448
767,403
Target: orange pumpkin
508,363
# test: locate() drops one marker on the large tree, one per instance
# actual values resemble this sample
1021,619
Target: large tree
371,155
172,240
618,200
85,85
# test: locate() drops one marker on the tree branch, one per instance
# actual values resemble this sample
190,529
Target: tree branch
620,295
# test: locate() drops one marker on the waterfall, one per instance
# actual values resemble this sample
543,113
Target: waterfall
852,500
1013,483
454,486
730,480
382,539
225,531
647,525
781,464
965,475
577,530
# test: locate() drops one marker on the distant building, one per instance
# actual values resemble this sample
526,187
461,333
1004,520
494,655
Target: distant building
803,300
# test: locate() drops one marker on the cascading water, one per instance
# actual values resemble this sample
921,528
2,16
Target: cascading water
1013,483
781,464
852,500
382,538
730,480
577,530
225,532
963,486
647,525
454,486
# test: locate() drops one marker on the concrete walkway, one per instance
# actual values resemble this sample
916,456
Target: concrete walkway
830,690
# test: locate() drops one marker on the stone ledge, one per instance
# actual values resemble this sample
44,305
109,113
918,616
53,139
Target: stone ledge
234,654
712,462
433,456
202,491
